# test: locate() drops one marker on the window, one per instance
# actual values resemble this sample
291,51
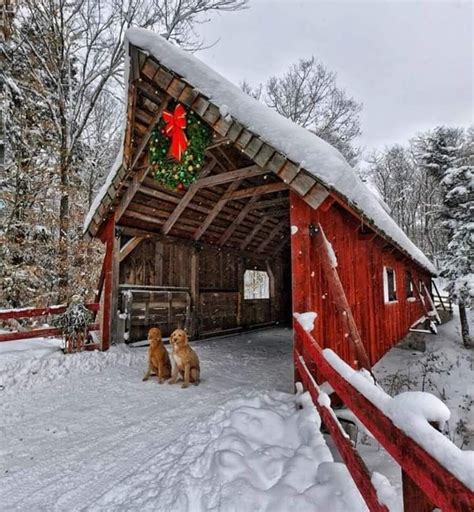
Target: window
256,285
408,285
389,285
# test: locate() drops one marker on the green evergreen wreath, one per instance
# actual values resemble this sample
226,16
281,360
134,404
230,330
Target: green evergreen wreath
169,172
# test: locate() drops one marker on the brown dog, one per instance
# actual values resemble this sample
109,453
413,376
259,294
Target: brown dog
158,358
186,361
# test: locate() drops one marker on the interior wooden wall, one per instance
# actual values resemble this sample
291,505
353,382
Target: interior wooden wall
218,303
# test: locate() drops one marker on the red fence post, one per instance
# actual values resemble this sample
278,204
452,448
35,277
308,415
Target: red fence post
300,219
414,499
447,491
106,325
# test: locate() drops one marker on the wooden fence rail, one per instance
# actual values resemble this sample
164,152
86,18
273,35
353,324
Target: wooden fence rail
438,485
36,312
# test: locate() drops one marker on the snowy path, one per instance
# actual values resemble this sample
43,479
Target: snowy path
77,431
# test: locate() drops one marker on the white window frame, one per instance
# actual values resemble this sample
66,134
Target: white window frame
410,293
386,298
259,292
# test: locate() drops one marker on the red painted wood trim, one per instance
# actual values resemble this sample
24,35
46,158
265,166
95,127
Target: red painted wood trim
48,310
300,217
108,238
442,487
37,333
339,296
356,466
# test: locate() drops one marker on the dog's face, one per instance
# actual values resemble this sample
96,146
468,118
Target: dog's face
154,336
178,339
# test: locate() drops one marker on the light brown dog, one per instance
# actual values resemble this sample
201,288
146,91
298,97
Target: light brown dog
186,361
158,358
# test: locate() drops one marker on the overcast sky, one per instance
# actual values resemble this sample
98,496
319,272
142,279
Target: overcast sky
409,62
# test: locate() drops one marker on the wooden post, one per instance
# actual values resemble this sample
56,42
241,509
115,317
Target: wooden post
106,325
339,297
414,499
422,302
438,294
111,279
272,290
115,276
431,303
194,329
300,217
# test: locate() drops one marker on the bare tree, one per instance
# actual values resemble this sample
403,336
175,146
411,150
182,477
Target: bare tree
308,95
71,52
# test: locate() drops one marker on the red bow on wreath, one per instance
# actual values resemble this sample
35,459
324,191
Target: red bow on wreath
175,125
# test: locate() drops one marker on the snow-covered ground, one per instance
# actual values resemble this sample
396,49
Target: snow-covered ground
445,369
83,432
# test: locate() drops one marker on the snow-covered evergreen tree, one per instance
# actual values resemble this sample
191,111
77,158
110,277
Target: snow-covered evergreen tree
457,216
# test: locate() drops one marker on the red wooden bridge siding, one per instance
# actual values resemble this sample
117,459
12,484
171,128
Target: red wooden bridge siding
361,258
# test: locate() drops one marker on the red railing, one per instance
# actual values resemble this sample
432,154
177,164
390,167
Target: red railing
438,485
35,312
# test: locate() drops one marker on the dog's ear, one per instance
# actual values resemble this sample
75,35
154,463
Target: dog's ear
186,339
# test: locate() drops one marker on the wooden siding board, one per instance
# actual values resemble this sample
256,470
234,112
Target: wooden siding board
234,131
264,154
163,78
302,183
360,266
288,172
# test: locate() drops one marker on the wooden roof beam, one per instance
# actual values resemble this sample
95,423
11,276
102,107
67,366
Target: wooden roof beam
254,231
129,247
217,208
273,233
236,222
269,203
186,199
255,191
226,177
140,176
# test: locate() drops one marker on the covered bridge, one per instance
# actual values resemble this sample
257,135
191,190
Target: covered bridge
259,219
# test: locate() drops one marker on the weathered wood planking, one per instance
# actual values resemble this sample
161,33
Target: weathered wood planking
211,279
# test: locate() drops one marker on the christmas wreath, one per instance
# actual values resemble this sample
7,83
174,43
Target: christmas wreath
177,148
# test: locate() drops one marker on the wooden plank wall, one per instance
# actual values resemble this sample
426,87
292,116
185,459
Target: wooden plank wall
361,259
219,303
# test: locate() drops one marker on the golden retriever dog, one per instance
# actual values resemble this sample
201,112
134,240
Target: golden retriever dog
186,361
158,359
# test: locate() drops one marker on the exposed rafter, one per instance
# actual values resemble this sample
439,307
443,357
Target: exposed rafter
129,247
187,198
226,177
269,203
273,233
252,234
140,176
229,231
217,208
255,191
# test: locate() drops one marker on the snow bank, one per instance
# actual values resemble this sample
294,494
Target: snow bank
259,453
386,493
47,365
306,320
411,412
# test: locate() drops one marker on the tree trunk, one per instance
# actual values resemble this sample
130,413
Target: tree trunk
64,164
466,339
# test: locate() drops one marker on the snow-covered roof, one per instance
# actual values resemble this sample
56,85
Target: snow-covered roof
298,144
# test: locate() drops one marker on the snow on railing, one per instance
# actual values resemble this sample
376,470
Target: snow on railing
434,469
15,314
